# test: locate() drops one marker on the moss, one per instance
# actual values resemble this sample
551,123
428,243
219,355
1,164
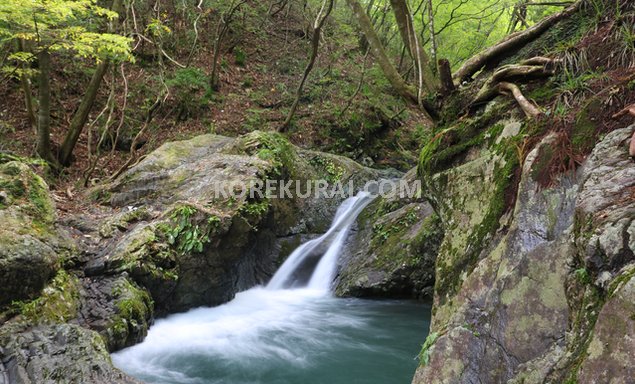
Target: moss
584,321
271,147
619,281
448,145
426,348
134,310
41,204
584,133
544,93
462,260
58,303
327,168
28,193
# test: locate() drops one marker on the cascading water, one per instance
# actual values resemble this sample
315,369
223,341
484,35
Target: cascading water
292,331
332,241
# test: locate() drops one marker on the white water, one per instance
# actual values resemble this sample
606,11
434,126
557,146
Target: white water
275,335
333,240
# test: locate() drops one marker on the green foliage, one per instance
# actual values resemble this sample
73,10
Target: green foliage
59,301
274,148
255,208
582,275
485,22
191,90
240,57
424,355
253,212
333,171
254,119
60,25
186,235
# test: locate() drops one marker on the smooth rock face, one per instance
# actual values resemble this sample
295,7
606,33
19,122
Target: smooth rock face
62,353
551,298
393,251
30,245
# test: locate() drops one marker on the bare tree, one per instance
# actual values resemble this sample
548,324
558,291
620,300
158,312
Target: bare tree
221,31
44,112
320,19
426,77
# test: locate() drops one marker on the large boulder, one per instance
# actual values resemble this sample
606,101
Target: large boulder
31,247
195,245
60,353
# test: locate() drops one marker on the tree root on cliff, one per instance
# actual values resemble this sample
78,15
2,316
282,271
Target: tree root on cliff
500,82
527,106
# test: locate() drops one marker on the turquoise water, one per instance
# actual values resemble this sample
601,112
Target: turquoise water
283,337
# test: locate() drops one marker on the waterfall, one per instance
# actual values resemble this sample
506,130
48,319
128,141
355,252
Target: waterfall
272,334
327,247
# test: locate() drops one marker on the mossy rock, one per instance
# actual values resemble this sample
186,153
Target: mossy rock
393,251
57,353
27,193
58,303
134,309
31,247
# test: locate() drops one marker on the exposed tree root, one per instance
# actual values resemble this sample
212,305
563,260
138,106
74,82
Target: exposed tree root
630,110
527,106
515,71
501,82
511,44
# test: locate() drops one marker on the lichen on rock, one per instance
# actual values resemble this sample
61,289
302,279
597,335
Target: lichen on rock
31,248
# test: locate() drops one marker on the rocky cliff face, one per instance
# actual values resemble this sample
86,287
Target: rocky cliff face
393,251
542,292
163,242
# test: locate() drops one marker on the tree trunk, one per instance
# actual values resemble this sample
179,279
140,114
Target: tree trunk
445,74
433,33
410,39
221,30
213,79
86,105
377,49
44,113
28,95
511,44
325,11
81,115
